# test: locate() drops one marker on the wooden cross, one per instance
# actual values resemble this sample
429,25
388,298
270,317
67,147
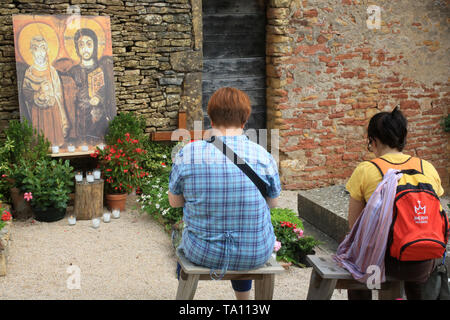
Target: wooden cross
167,135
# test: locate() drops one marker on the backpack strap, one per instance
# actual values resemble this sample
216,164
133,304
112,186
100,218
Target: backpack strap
412,163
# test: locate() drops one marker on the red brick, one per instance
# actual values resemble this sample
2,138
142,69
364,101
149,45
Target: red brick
327,103
310,13
409,104
348,74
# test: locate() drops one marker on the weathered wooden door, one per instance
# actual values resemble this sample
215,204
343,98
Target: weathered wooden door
234,53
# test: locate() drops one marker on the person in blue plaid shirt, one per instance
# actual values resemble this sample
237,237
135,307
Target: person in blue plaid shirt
227,219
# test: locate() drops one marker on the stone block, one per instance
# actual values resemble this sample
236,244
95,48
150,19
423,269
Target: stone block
186,61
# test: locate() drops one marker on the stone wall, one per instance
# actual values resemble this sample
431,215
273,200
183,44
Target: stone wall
157,55
328,73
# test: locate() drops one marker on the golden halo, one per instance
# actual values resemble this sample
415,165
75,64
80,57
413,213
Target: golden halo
79,23
38,29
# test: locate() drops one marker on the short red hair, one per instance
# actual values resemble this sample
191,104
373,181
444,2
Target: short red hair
229,107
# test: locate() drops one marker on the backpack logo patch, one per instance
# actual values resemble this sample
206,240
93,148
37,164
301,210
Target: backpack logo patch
420,213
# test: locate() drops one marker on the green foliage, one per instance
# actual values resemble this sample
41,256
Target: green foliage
126,122
25,143
283,214
154,199
121,164
158,154
288,230
447,123
23,147
49,182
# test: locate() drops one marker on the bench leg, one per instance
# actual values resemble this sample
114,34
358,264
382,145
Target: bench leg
319,288
392,292
264,287
186,288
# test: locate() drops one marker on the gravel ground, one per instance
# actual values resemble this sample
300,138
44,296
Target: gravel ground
128,258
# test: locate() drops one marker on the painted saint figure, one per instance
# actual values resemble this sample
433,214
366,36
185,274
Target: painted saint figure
93,80
43,94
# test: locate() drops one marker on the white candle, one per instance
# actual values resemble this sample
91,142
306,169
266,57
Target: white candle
71,148
106,217
96,223
72,220
84,148
97,174
55,149
89,177
116,213
79,176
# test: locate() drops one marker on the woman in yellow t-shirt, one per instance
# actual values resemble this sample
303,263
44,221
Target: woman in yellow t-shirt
387,138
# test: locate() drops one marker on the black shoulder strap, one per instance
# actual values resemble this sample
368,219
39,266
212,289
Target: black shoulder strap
241,164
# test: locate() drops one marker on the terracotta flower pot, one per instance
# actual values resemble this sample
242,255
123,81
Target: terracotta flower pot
116,201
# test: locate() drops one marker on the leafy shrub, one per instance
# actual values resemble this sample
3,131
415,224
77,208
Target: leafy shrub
121,164
283,214
25,143
158,155
447,123
126,122
49,182
288,230
154,199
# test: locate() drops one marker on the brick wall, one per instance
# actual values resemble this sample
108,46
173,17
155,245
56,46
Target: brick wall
328,73
157,55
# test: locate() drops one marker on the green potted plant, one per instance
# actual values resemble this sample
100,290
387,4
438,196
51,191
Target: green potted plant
24,146
47,186
293,246
121,166
126,122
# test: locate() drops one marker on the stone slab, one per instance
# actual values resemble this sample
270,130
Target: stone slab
325,208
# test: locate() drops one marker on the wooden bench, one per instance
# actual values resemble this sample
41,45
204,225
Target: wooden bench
190,274
327,276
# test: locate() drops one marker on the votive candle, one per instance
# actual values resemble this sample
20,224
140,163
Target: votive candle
106,217
79,176
89,177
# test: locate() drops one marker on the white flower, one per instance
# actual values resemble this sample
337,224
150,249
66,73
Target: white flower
157,206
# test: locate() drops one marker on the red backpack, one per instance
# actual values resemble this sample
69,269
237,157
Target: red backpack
419,229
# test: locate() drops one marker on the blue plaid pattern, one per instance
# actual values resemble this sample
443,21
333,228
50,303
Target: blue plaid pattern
227,220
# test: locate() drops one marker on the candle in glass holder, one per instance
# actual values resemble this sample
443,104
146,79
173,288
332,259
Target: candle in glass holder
71,148
106,217
116,213
79,176
97,174
55,149
96,223
72,220
89,177
84,148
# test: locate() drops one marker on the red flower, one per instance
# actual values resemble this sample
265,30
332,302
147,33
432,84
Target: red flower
108,170
125,170
6,216
94,155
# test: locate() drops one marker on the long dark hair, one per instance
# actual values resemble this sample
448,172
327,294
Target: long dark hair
390,128
91,34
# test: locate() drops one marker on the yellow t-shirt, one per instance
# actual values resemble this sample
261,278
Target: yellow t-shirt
366,177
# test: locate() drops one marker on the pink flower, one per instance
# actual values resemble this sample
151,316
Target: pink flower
27,196
277,246
299,232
